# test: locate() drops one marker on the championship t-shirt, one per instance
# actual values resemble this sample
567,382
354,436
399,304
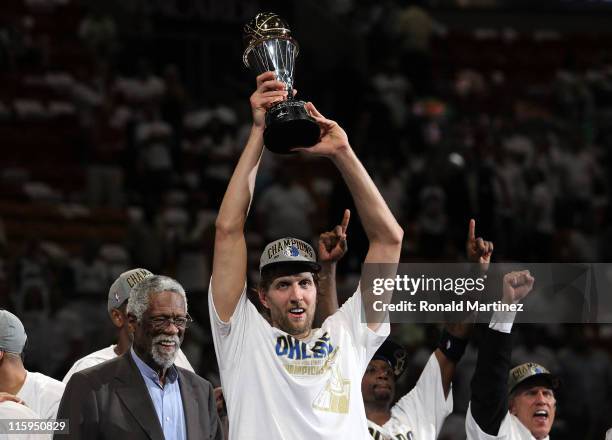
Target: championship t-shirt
511,428
418,415
277,387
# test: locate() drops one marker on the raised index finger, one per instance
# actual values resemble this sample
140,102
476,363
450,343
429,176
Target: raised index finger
472,230
345,220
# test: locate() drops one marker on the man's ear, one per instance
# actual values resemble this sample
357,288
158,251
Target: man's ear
1,355
118,318
511,406
262,298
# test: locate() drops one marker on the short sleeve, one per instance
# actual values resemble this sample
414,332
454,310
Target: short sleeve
350,315
425,408
229,336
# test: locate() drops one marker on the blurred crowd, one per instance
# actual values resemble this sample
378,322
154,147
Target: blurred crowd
511,128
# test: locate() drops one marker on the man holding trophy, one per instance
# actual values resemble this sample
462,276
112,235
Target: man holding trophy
281,378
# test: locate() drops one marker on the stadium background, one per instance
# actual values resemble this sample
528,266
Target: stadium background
121,121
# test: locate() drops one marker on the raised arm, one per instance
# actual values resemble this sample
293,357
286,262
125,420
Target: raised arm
230,254
455,335
332,247
489,400
383,232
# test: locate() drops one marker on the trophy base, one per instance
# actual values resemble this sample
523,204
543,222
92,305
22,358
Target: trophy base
288,125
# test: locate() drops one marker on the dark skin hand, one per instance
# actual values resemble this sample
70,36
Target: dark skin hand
478,250
332,247
332,244
220,401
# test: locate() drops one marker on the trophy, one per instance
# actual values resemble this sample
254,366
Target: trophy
270,46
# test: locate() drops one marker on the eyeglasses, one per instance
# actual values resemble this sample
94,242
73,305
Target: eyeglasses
161,322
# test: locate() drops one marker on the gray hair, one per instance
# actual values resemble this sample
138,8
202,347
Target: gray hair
138,303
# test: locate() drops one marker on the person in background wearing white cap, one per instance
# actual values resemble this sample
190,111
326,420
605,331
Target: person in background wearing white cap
306,382
118,295
517,404
40,393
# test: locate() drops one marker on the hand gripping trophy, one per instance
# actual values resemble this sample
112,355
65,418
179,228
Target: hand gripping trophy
270,47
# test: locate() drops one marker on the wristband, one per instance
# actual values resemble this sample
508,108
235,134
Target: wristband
452,347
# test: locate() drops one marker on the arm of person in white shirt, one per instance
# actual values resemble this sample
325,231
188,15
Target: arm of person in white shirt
383,232
230,253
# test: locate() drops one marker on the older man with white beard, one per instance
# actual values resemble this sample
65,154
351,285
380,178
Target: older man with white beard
118,296
142,394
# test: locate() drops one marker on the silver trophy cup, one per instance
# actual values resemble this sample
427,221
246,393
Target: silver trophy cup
270,47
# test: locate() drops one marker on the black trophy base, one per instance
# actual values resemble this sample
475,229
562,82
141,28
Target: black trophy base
288,125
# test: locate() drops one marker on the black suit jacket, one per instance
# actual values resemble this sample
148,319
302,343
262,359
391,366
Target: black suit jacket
111,401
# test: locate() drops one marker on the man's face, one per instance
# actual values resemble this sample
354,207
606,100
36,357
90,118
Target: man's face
157,342
535,407
291,300
378,383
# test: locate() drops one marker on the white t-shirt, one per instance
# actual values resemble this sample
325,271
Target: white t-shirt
42,394
277,387
418,415
108,353
11,412
511,428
